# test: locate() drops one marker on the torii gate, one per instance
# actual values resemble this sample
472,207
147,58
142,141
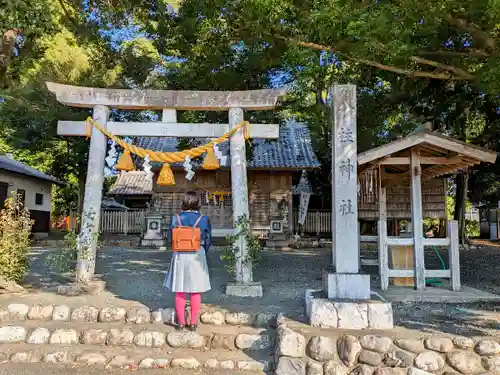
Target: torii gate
168,101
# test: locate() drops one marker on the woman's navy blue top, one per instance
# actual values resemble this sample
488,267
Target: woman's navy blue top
188,218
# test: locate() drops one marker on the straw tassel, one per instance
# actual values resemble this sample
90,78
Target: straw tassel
166,177
125,163
210,163
88,129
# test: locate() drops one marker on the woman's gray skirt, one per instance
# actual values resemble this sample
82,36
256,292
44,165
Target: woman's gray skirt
188,272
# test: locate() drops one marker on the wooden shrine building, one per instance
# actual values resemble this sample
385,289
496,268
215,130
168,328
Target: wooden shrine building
270,169
405,179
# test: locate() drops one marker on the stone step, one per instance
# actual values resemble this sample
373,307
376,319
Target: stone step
14,312
132,358
115,334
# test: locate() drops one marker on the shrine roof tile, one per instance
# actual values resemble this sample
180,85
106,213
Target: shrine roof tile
132,183
292,150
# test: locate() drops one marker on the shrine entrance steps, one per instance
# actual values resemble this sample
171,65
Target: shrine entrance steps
115,337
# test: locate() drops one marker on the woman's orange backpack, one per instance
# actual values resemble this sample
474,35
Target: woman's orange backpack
185,239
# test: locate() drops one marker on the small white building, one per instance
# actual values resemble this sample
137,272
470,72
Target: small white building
33,186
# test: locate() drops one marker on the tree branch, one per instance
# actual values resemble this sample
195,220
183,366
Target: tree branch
389,68
460,72
473,30
472,53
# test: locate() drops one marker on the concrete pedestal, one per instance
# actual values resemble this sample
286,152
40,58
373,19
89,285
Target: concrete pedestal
153,227
253,289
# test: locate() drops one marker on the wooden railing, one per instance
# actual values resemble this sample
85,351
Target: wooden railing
126,222
316,222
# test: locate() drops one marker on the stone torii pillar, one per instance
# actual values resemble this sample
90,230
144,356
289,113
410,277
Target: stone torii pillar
169,101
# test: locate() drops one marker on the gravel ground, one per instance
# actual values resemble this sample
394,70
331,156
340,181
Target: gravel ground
137,275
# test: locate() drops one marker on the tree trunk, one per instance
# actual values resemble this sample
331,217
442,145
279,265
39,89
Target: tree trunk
462,182
7,42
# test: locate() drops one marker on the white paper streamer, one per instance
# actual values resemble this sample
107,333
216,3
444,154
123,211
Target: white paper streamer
188,167
146,166
111,158
218,154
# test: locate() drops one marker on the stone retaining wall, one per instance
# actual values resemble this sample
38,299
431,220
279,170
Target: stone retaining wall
129,362
91,314
380,355
125,337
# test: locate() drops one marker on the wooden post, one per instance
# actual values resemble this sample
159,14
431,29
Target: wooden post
454,255
383,258
87,241
240,192
125,222
417,218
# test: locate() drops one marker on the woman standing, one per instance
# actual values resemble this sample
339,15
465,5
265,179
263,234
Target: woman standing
188,273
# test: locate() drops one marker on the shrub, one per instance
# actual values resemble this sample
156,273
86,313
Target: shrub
64,260
15,232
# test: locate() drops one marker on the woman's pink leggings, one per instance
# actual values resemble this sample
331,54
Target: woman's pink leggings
180,305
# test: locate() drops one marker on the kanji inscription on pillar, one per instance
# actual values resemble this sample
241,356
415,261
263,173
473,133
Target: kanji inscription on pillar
345,180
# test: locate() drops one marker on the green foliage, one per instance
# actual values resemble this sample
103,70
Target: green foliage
254,248
472,228
15,231
64,259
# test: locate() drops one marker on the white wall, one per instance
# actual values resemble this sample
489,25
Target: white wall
32,186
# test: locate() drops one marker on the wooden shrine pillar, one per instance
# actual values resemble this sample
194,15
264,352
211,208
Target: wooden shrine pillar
417,218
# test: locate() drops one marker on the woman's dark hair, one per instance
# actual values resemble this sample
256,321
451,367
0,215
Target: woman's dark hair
190,201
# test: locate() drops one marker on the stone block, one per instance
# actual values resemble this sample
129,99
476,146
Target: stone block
220,341
212,363
40,312
362,370
314,368
85,314
334,368
122,361
466,363
186,363
227,365
117,337
322,348
161,363
411,345
138,315
239,319
263,320
398,358
61,313
323,314
94,337
64,337
253,290
463,342
380,315
439,344
12,334
213,317
429,361
150,339
112,314
32,356
290,366
377,344
246,341
349,349
487,347
290,343
350,286
92,359
491,364
252,365
4,315
352,315
18,311
39,336
185,340
61,357
370,358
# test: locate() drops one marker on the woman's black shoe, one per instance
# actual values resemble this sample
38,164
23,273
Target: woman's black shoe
192,327
180,327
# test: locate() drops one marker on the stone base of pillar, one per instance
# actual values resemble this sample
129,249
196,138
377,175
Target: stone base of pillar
253,290
327,313
94,287
349,286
